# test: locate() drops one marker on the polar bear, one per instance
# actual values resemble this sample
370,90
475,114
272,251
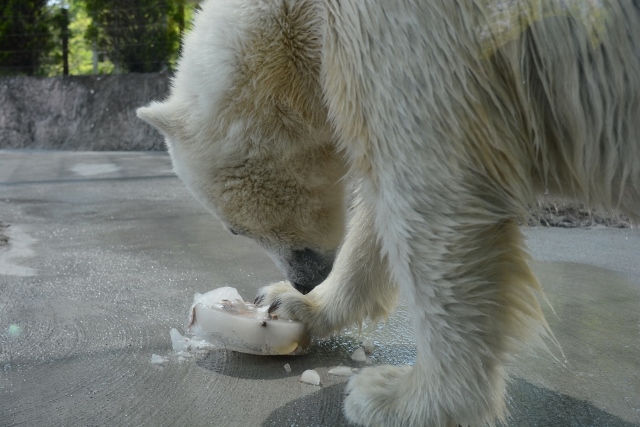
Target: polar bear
445,119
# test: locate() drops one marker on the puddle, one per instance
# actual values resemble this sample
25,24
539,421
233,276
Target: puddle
15,254
91,169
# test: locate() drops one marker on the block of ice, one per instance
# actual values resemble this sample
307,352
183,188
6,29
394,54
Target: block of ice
310,377
287,368
224,320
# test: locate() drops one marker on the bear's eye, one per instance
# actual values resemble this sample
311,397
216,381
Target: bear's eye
232,231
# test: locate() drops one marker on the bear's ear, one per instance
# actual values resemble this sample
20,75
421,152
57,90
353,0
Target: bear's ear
161,116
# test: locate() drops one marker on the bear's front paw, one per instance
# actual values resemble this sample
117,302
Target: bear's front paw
286,302
388,396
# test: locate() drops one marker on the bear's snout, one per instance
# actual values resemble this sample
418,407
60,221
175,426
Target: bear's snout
308,268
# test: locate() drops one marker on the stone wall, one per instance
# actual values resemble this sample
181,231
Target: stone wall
79,112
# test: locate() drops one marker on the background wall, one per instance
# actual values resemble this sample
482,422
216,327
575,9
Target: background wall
97,113
79,112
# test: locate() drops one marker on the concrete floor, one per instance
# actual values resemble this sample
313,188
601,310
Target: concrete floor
107,249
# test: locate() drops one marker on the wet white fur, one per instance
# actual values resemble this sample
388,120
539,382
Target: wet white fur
450,127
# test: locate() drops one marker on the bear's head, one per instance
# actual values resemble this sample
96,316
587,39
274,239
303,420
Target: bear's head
247,131
274,179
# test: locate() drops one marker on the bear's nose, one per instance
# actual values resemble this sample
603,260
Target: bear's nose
308,268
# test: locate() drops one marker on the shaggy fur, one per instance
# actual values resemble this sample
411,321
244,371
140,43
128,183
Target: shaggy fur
450,117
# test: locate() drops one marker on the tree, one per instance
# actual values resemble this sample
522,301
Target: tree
138,37
25,36
83,58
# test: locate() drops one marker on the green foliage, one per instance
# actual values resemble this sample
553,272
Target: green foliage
25,36
124,36
81,48
138,37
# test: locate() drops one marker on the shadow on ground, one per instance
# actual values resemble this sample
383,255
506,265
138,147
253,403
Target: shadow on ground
530,406
322,408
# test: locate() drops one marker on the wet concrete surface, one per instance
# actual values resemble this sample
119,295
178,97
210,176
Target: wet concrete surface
107,249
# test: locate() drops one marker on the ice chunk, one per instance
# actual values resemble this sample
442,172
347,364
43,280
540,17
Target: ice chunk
310,377
359,355
178,342
287,367
183,345
343,371
156,359
368,346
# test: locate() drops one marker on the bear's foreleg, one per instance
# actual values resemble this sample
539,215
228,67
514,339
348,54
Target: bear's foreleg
471,296
358,287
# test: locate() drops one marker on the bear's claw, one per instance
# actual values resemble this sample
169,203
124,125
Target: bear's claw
274,305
